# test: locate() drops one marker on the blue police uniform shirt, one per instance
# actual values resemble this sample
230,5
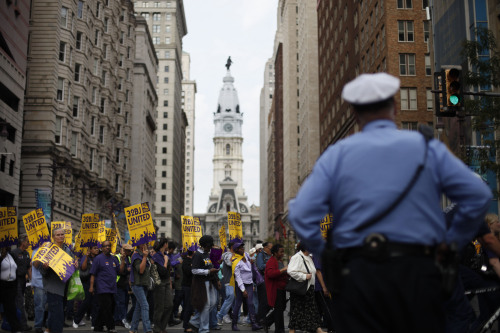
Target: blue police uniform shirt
362,175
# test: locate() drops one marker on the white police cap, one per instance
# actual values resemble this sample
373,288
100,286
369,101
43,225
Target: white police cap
370,88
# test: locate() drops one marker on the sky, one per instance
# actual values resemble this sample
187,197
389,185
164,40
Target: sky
217,29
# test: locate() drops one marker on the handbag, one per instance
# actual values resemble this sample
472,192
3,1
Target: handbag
298,287
155,277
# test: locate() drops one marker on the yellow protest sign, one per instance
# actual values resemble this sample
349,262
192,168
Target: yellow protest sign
234,226
78,250
90,230
8,226
140,224
222,238
68,231
36,228
191,233
62,264
111,236
101,233
326,224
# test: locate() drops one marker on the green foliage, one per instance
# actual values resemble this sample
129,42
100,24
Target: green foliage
483,61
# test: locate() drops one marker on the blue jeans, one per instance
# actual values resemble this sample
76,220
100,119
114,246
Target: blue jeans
55,320
228,302
202,319
39,300
121,298
141,309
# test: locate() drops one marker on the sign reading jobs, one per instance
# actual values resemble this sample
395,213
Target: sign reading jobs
58,260
8,226
36,228
140,224
235,228
191,233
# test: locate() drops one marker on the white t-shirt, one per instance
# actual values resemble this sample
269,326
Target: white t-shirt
8,268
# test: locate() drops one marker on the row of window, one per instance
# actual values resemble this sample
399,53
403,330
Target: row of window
154,4
408,98
407,64
157,16
408,4
406,31
3,163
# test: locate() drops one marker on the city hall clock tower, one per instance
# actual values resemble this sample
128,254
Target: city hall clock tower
227,192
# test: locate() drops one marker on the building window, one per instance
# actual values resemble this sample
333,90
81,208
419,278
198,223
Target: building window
165,126
96,38
406,31
165,103
428,68
167,40
60,89
76,103
408,98
407,64
103,77
165,80
425,4
79,11
78,40
428,94
74,143
165,91
156,28
101,134
105,51
118,131
163,162
166,69
164,174
228,149
98,9
94,95
102,106
163,210
77,72
64,17
426,31
117,183
92,126
409,125
165,114
405,4
156,16
165,138
169,17
58,130
164,150
117,158
156,40
163,199
91,159
62,51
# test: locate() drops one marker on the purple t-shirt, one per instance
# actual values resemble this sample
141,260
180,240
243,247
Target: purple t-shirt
105,270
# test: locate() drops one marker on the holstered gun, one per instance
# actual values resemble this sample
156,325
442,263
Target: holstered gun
447,263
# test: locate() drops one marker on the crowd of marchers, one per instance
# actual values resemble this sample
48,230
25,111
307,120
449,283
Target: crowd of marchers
162,286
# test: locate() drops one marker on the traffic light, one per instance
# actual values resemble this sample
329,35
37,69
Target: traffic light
454,96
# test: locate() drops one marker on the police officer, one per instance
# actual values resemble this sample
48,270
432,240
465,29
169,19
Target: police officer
388,220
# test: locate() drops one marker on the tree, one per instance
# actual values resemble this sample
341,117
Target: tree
483,60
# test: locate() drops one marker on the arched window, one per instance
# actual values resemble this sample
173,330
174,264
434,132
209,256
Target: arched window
228,149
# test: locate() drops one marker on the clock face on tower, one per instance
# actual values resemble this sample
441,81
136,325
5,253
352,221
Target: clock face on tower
228,127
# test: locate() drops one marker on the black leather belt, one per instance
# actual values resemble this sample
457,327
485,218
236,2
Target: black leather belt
376,246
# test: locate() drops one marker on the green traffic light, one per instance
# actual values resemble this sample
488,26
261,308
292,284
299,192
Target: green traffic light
454,99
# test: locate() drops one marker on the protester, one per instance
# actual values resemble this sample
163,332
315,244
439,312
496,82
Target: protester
55,287
187,279
163,297
304,314
384,186
243,286
322,297
227,273
176,274
262,258
276,277
39,295
204,285
123,287
103,274
90,301
8,287
23,261
140,280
